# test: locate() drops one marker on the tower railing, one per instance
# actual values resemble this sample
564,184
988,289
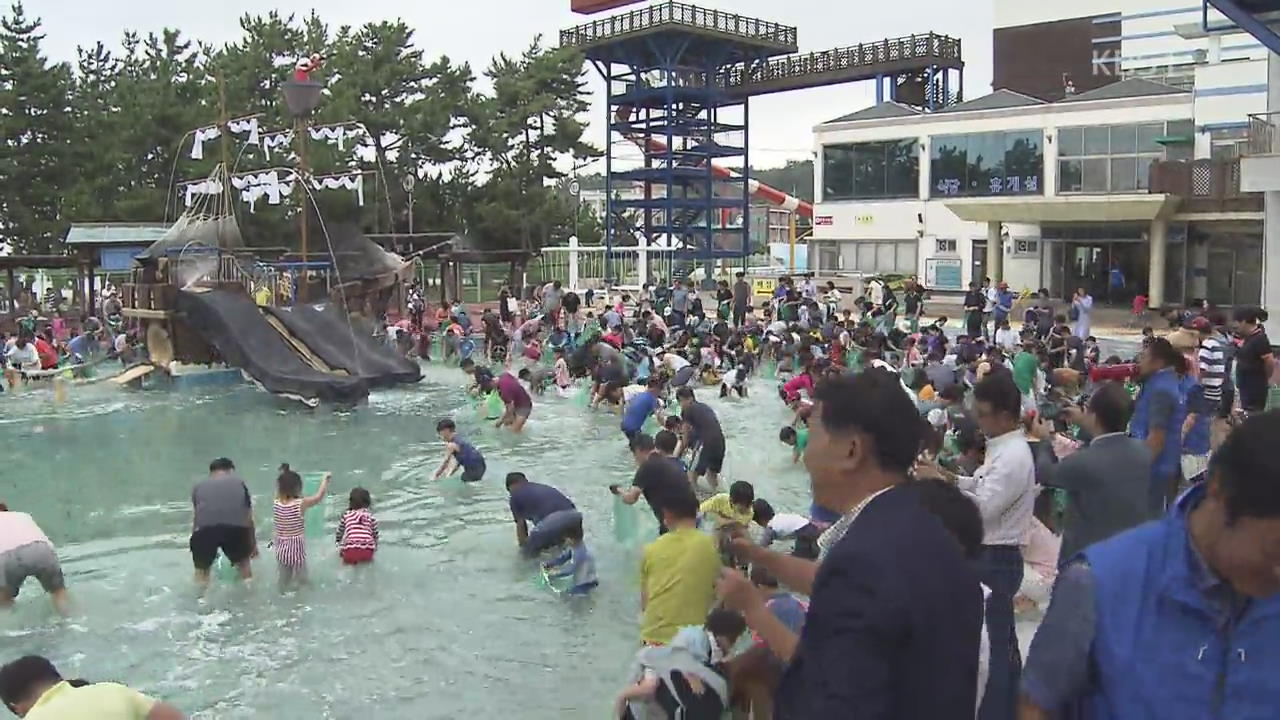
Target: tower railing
930,46
677,13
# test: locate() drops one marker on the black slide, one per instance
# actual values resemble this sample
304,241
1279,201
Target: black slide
232,323
328,334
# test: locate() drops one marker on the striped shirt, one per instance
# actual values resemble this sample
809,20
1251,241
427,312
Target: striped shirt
358,529
288,518
1213,369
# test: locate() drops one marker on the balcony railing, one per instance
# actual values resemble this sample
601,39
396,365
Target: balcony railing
1262,133
1198,179
748,29
931,47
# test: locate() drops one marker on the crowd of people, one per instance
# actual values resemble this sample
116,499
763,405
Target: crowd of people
52,340
959,482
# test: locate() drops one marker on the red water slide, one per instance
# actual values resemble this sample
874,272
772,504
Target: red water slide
755,187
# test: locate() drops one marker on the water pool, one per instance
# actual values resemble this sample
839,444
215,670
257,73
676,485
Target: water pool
449,623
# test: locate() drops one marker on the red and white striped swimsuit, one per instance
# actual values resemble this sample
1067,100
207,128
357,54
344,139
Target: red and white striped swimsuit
290,543
358,530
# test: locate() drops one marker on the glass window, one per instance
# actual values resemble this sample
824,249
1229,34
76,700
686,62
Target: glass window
1181,128
886,260
1124,174
1179,151
902,169
907,252
1094,175
1069,176
866,256
868,170
1144,172
1023,162
871,170
837,172
986,163
1223,151
1071,141
948,161
1116,158
1097,141
1147,136
996,163
1124,139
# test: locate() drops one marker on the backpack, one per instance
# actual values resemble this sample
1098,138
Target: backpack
890,301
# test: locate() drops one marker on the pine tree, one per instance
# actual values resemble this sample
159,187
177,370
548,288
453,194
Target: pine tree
35,138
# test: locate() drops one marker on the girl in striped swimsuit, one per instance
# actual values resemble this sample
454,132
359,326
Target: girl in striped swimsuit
290,542
358,530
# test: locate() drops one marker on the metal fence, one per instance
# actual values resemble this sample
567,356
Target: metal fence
912,47
676,13
1262,133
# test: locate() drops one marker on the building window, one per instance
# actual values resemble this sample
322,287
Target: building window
946,247
1116,158
888,169
995,163
888,257
829,258
1228,143
1026,248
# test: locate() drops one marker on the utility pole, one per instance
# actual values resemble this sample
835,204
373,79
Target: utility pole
791,244
300,131
224,135
302,94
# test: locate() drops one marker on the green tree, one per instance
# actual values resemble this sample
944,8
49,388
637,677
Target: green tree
95,149
35,138
523,134
162,93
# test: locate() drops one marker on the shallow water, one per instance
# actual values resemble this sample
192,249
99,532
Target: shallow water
448,622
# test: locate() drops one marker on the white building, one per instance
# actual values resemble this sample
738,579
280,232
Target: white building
1110,145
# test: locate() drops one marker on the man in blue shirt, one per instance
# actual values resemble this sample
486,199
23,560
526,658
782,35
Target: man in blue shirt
83,346
1178,618
1158,414
640,407
551,513
1004,304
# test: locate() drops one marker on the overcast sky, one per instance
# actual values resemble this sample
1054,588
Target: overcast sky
475,30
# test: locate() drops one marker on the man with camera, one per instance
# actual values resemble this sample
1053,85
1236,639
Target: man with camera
1106,481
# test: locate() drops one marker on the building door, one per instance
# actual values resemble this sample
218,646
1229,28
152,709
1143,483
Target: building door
1248,289
1234,277
1087,267
1222,275
979,267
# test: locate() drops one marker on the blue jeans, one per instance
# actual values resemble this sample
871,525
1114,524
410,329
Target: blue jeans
1000,568
551,530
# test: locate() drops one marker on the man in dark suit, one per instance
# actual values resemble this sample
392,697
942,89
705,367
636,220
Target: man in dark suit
895,616
1107,480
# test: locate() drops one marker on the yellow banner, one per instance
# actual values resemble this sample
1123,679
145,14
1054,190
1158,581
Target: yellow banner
764,286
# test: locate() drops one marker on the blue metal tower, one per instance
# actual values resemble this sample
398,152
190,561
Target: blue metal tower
662,67
678,80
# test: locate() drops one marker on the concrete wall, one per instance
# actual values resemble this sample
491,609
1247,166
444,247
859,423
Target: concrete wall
1226,94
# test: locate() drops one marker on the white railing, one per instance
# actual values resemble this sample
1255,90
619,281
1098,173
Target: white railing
582,265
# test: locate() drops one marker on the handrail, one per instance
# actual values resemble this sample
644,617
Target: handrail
670,12
911,47
1262,133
